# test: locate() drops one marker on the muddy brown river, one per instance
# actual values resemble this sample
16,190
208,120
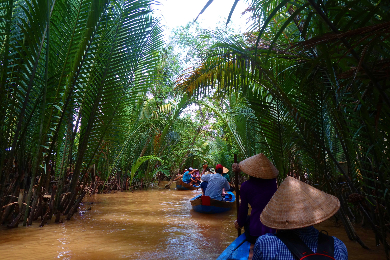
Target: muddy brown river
152,224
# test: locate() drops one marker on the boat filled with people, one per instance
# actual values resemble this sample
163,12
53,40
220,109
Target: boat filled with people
189,180
204,204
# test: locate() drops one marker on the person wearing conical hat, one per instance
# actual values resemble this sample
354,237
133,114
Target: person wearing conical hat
293,210
227,177
256,192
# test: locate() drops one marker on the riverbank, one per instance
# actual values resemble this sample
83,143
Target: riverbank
355,250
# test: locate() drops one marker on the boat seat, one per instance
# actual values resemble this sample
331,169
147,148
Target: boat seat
206,201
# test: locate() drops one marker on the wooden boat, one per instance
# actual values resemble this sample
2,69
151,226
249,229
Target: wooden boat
204,204
238,249
180,185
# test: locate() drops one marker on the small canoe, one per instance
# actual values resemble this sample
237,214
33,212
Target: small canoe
238,249
180,185
205,204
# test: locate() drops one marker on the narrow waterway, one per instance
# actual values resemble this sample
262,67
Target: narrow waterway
152,224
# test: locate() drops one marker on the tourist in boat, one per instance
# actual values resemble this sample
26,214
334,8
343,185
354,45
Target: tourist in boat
256,192
203,184
227,177
187,176
293,210
195,177
216,183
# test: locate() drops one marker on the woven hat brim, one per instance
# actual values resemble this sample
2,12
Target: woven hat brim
296,204
259,166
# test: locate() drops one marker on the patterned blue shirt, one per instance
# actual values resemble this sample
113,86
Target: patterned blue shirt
269,247
216,182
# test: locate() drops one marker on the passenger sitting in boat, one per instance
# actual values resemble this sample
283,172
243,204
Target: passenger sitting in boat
187,176
227,177
216,183
293,210
256,192
203,184
195,177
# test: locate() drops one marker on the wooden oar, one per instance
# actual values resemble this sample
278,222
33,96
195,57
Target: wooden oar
237,190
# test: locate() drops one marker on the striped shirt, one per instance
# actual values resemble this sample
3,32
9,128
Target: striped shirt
269,247
216,182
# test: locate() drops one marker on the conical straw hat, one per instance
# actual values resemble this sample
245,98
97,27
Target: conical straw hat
296,204
225,170
259,166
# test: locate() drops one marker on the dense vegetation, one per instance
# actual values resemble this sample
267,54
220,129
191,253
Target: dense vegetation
73,74
89,98
314,80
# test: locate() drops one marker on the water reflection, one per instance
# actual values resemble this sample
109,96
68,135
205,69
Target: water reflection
156,224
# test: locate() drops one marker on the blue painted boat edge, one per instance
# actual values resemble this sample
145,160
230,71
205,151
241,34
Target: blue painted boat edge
209,209
242,253
196,197
238,249
233,196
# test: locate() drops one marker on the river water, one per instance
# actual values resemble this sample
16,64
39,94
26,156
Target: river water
152,224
